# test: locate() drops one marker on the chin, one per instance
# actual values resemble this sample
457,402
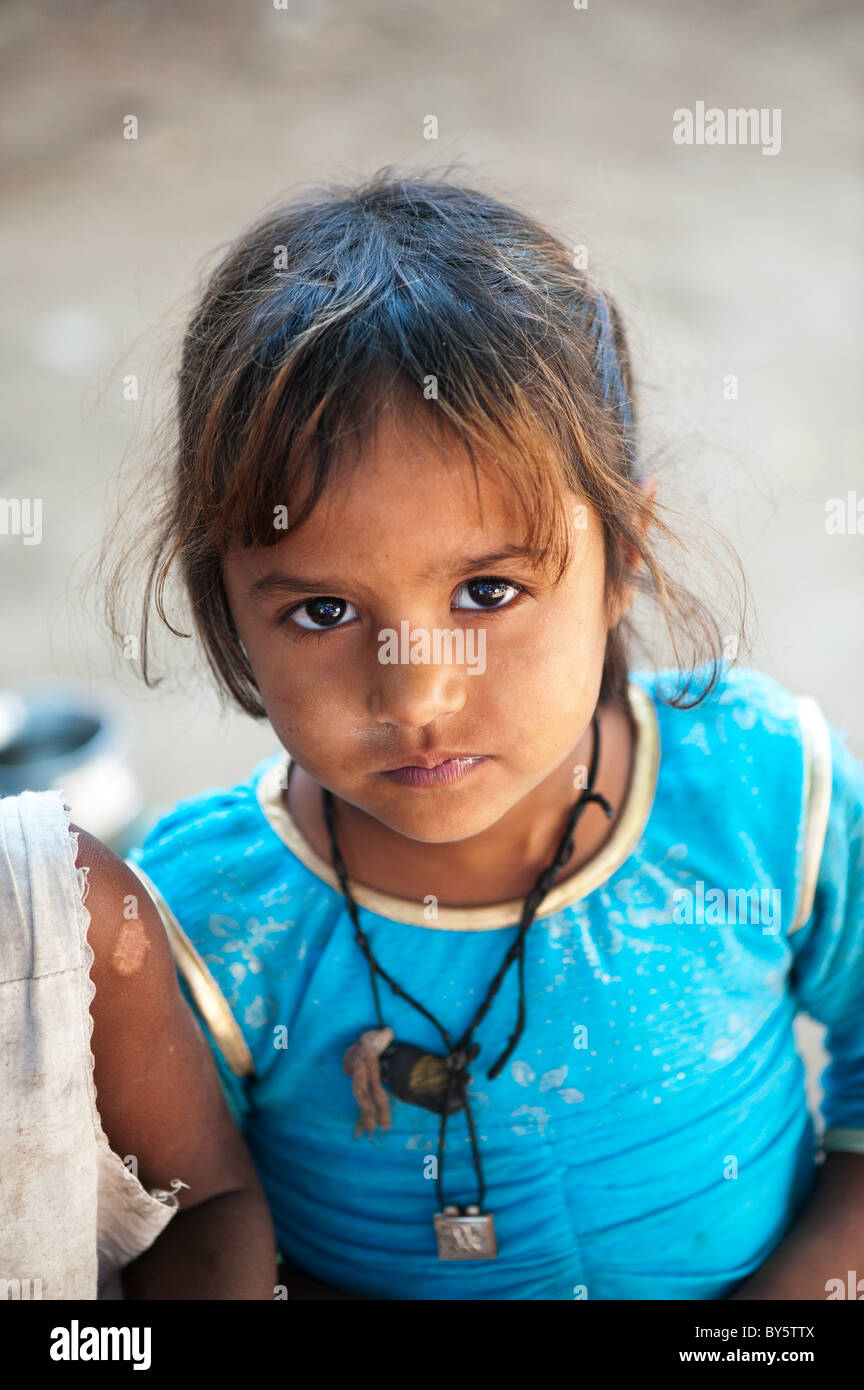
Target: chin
434,826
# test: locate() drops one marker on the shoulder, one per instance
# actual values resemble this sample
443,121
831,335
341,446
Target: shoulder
239,908
132,967
744,707
759,757
733,770
212,847
218,813
137,952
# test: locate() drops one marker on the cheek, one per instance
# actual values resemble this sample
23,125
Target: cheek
561,641
554,670
296,690
319,694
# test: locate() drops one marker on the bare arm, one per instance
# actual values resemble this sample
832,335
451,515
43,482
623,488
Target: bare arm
160,1099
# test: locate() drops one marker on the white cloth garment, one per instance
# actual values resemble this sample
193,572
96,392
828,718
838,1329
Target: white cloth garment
72,1214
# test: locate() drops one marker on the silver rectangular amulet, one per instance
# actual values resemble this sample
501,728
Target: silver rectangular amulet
464,1236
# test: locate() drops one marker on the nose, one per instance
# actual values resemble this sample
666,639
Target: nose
409,694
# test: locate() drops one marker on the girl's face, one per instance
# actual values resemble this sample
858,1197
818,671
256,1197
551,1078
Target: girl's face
400,541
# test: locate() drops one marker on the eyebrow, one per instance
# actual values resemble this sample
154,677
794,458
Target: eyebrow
286,581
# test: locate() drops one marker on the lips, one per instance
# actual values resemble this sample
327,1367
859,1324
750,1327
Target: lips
429,760
439,775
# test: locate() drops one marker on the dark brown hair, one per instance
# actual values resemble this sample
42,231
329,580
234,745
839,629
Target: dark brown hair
465,313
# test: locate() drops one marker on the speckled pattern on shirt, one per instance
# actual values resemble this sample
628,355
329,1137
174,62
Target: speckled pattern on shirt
649,1138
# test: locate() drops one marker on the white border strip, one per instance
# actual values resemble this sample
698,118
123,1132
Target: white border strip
204,990
818,775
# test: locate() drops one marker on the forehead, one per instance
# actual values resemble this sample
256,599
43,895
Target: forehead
410,505
405,473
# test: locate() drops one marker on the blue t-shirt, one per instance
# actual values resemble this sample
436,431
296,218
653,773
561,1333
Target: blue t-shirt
650,1136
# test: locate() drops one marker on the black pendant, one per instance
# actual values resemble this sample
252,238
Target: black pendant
422,1078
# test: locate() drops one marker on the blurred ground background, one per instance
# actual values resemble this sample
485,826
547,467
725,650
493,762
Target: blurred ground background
724,260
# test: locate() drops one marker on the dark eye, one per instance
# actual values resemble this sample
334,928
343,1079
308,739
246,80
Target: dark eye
488,593
320,613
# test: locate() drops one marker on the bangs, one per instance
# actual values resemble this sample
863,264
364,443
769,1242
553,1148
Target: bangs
310,413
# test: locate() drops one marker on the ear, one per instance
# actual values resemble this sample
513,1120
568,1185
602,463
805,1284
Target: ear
622,601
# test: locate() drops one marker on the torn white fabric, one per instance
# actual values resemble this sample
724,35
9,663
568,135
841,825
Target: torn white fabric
72,1214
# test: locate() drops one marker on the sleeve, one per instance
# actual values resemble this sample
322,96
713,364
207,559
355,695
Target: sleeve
236,1089
827,974
210,1009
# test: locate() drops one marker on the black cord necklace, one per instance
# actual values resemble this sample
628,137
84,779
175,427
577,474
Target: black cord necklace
441,1083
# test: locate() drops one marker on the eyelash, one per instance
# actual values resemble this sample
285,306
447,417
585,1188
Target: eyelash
284,618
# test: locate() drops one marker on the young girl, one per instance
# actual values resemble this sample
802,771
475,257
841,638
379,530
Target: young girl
500,957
